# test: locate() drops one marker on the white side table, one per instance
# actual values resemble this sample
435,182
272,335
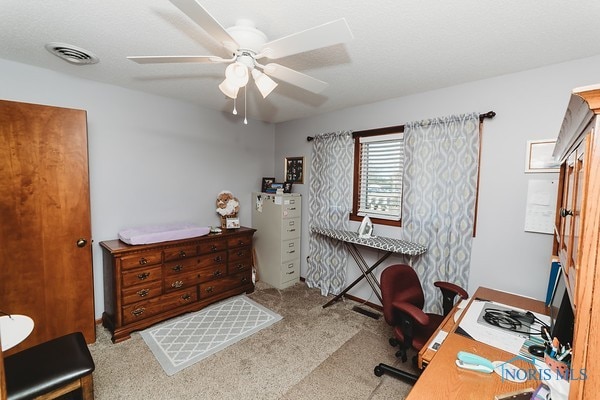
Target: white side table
14,329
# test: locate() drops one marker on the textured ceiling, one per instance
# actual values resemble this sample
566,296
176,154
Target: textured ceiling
400,47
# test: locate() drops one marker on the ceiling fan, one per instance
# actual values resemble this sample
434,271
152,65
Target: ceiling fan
243,45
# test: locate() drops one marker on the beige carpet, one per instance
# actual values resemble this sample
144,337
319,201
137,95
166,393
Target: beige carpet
312,353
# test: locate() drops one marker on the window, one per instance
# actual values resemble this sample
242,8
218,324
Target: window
378,169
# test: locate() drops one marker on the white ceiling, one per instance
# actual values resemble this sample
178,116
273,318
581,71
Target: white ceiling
400,47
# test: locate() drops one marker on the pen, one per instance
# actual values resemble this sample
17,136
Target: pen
563,355
555,344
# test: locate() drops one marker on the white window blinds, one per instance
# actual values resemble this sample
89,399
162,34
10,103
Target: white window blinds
380,176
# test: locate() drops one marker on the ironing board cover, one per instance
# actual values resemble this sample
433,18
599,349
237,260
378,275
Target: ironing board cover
377,242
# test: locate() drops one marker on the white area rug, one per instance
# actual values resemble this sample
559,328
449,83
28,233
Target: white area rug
183,341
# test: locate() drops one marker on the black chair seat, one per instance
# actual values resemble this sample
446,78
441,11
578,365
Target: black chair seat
47,366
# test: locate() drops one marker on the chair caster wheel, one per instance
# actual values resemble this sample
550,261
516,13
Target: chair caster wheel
393,342
378,371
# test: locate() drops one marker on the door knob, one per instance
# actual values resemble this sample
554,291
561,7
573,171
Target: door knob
81,242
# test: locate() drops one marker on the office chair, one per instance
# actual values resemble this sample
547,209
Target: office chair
403,301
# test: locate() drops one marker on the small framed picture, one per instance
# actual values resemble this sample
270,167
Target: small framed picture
287,187
266,184
539,156
294,169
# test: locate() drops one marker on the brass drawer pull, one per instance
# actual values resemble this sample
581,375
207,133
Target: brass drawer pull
182,254
217,273
143,261
244,279
177,268
209,289
240,267
218,259
241,253
143,292
213,248
138,311
241,242
177,284
143,276
186,297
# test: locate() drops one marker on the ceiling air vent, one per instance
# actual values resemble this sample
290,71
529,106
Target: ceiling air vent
72,54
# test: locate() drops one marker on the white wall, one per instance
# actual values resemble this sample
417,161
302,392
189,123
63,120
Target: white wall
152,160
529,105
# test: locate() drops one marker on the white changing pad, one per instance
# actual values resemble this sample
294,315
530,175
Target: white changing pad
162,233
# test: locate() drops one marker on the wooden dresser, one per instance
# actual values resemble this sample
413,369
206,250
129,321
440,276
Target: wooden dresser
577,231
146,284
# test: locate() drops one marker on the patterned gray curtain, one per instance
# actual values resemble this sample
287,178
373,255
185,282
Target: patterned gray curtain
330,202
438,210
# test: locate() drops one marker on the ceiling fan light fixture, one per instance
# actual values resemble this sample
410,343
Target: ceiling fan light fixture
228,89
264,84
237,74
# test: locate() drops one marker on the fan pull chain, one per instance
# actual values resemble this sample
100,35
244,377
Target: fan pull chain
245,106
234,110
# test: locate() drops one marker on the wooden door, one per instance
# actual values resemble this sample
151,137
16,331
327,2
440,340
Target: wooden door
45,229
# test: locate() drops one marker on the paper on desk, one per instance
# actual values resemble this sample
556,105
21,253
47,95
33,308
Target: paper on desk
438,340
492,336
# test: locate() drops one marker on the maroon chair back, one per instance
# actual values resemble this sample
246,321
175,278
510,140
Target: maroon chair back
400,282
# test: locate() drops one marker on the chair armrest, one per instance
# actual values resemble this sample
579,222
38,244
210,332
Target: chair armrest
413,312
457,290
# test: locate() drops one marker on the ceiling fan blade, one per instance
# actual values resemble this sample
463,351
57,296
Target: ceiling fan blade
328,34
295,78
176,59
199,15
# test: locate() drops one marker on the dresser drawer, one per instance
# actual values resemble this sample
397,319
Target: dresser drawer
182,280
290,228
141,292
179,298
141,310
290,249
180,253
180,267
141,259
139,275
239,241
239,254
213,246
239,266
213,259
224,284
211,272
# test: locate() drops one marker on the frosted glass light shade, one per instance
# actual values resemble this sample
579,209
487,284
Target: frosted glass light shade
228,89
237,74
264,84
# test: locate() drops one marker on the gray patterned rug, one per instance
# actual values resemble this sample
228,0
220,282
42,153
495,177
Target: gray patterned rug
183,341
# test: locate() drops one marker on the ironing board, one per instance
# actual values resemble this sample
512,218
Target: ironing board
389,245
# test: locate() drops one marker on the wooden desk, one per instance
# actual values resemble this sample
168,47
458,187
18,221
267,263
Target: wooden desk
442,379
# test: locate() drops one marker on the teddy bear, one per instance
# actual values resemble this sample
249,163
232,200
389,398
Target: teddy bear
227,204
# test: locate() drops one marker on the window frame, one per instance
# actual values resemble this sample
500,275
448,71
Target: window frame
356,174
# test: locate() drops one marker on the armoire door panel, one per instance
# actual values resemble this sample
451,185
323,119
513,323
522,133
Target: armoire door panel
45,227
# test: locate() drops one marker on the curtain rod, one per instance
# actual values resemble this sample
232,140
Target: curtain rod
489,114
